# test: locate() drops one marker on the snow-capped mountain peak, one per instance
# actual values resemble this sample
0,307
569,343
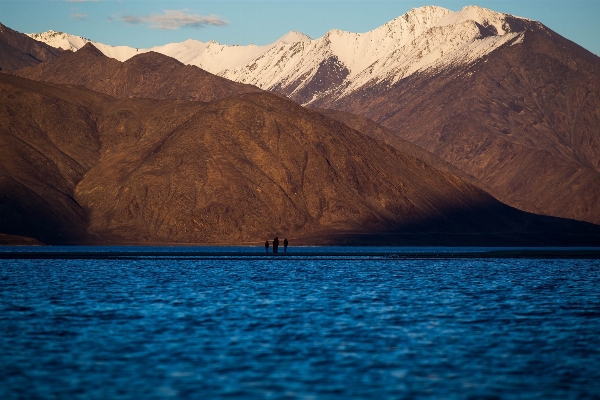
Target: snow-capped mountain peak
424,39
293,37
67,41
60,40
498,23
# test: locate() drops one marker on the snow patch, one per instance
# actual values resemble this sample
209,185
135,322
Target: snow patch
519,39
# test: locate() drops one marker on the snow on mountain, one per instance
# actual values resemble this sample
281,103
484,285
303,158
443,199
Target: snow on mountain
67,41
60,40
211,56
293,37
423,39
214,57
426,38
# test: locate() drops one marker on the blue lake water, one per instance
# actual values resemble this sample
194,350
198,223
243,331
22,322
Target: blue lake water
314,327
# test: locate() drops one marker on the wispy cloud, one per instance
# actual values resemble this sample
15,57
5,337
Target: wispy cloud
78,16
131,20
175,19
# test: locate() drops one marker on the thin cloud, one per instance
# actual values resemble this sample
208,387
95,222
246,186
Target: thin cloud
175,19
131,20
78,16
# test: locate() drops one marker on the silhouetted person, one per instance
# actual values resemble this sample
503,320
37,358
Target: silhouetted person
267,246
275,244
285,243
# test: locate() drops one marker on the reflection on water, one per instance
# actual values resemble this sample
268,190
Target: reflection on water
302,328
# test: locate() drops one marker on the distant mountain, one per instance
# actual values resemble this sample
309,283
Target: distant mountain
17,50
149,75
210,56
512,106
524,120
424,40
77,166
340,63
504,99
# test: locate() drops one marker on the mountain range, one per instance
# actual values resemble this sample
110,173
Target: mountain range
211,56
409,126
82,167
147,75
443,67
426,38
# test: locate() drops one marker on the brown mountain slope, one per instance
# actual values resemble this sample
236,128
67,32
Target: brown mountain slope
18,50
148,75
15,240
382,134
47,143
236,170
525,121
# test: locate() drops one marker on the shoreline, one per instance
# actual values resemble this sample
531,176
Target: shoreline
45,253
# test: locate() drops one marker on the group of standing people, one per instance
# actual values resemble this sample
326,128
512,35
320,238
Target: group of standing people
276,245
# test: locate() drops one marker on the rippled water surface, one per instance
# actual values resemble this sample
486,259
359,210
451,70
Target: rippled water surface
300,328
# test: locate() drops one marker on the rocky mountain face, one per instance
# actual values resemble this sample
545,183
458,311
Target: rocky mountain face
524,121
147,75
382,134
18,50
82,167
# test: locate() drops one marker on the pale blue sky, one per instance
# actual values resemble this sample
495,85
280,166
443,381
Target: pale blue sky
149,23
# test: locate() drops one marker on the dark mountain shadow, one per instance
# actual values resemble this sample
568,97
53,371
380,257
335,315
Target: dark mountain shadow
480,227
23,212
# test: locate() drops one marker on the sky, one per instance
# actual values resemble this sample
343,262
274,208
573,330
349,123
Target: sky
143,24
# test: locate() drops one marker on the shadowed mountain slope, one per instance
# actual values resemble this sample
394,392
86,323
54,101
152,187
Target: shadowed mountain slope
18,50
81,167
524,120
147,75
15,240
